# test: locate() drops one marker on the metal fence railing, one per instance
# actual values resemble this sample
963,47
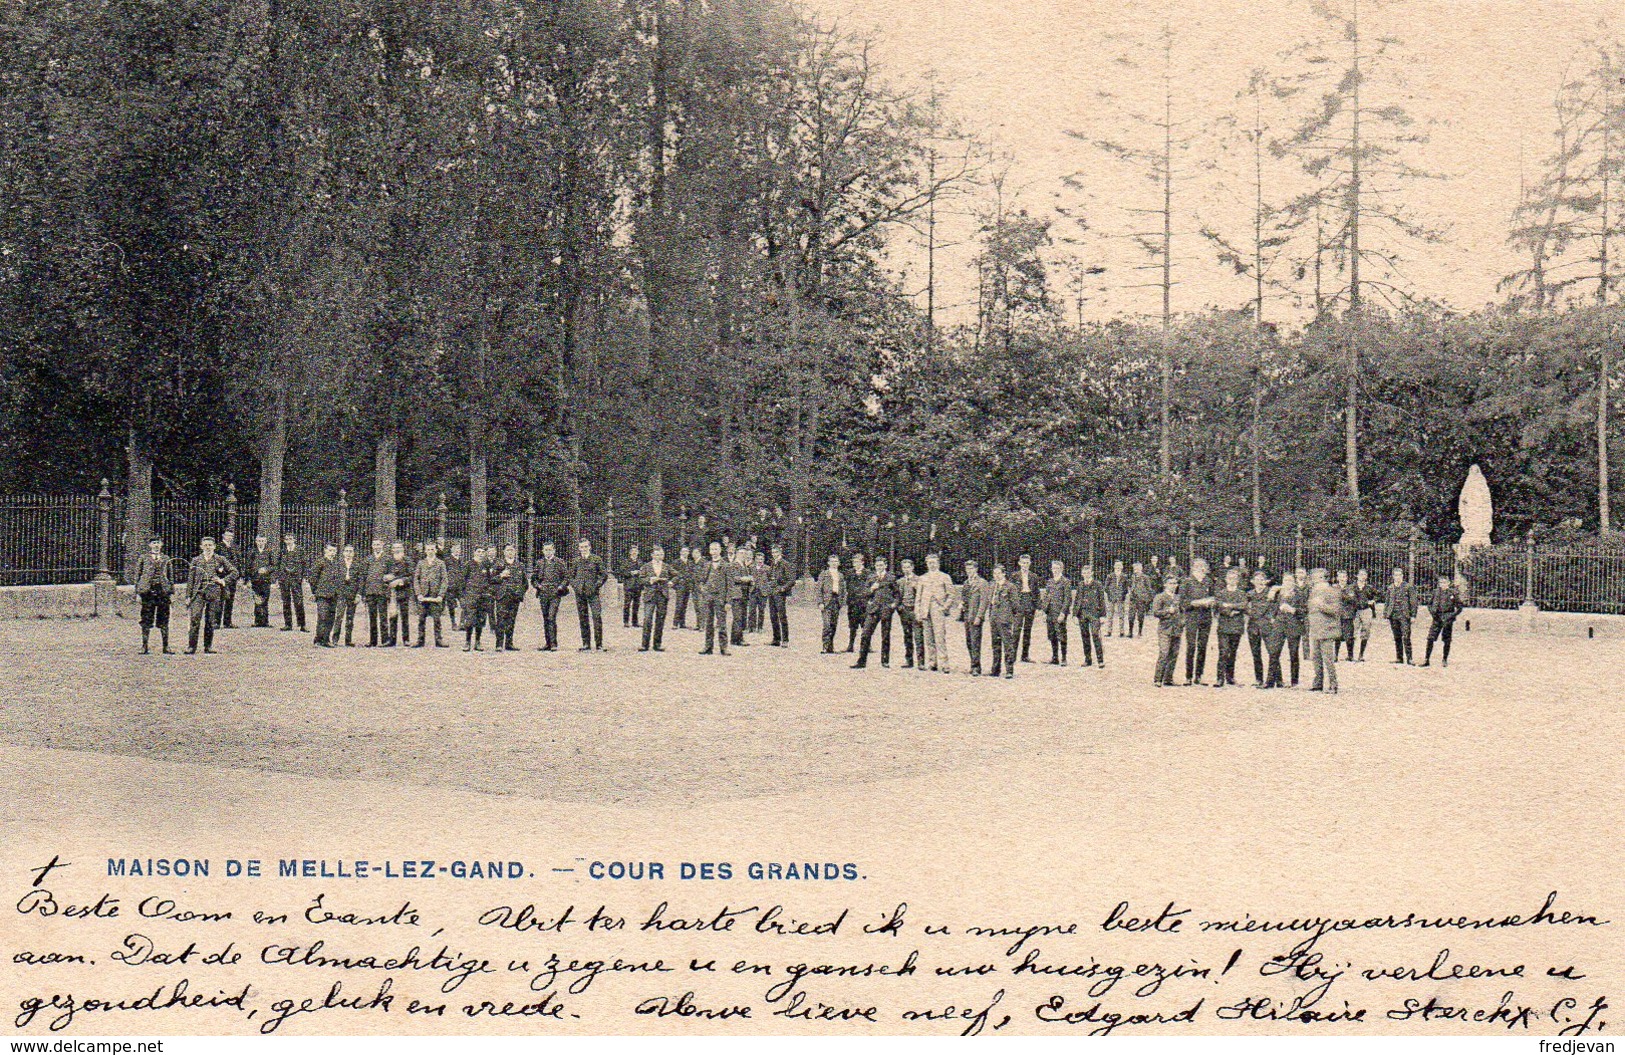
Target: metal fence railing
47,539
1566,578
59,539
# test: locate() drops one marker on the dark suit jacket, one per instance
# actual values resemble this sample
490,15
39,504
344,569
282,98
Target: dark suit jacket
1057,597
152,575
1401,602
587,576
1026,599
657,585
508,582
291,566
398,576
1091,600
1170,613
550,577
373,572
327,579
1190,591
1231,609
977,600
882,593
262,567
716,580
828,592
744,578
355,577
476,584
203,579
456,571
1445,605
1007,605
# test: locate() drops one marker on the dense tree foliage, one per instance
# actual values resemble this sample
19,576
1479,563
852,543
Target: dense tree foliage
639,250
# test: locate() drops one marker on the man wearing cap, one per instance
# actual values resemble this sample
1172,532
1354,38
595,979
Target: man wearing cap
1027,590
587,578
291,572
1443,608
655,579
878,609
977,600
781,579
550,579
154,588
716,579
430,582
205,592
228,550
327,582
832,591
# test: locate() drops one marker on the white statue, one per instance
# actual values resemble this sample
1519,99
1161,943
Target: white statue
1477,511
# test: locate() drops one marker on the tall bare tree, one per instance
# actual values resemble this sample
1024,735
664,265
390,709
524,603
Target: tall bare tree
1155,142
1569,221
1354,141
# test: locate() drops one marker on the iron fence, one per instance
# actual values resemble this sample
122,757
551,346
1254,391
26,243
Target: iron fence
1565,578
59,539
47,539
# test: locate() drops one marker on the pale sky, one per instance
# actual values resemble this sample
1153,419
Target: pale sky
1024,72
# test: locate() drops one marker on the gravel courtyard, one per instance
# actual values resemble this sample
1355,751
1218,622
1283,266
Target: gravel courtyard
642,728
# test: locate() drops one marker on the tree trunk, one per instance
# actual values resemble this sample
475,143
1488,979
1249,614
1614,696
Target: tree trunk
1258,490
138,501
273,456
478,482
1351,417
383,517
1258,309
1605,353
657,497
1165,445
1604,513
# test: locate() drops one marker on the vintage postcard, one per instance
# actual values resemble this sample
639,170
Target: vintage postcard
812,517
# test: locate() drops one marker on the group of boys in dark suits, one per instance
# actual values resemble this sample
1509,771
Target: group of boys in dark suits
735,590
1307,614
924,603
742,584
210,577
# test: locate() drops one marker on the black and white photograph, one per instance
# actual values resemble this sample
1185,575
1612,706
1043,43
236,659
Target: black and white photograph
807,517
